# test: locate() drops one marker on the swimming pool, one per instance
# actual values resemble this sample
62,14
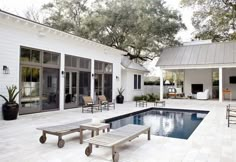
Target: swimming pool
174,123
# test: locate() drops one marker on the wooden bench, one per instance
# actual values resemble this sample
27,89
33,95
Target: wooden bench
61,130
116,138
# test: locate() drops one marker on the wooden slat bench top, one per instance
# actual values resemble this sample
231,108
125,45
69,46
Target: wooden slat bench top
118,136
64,127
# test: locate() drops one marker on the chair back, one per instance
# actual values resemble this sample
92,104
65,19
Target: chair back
171,90
102,99
87,100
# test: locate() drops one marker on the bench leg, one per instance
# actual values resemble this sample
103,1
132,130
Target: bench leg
89,150
43,138
60,142
115,155
81,136
149,134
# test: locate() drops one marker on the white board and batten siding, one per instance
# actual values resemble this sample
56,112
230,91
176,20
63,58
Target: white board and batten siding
16,32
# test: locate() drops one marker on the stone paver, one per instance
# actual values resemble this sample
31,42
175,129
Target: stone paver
212,141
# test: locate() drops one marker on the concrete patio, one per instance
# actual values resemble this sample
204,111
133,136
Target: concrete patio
212,141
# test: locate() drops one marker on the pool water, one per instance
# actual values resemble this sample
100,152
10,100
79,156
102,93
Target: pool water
163,122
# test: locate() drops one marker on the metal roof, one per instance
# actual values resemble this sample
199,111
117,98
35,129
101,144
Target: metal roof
204,54
129,64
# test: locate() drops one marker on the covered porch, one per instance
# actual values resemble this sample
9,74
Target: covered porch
220,82
200,68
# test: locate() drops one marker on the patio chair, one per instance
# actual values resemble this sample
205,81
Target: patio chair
231,114
89,105
203,95
106,104
117,137
171,93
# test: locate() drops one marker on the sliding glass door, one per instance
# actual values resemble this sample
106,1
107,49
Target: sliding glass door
71,89
30,93
50,89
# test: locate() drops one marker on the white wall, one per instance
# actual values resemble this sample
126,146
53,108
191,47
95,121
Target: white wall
198,76
15,33
128,84
226,84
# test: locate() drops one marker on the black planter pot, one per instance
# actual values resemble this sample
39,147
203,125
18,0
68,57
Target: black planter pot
120,99
10,111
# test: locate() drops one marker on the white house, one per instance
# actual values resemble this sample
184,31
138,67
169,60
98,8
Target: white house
132,78
209,66
53,68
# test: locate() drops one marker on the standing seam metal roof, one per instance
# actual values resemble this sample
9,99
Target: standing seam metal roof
204,54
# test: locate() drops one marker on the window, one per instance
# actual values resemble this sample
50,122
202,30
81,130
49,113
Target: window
29,55
50,58
137,81
84,63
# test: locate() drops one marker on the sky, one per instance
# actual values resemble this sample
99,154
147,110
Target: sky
20,6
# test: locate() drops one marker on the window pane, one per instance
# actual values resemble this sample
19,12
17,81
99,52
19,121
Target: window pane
74,61
98,66
139,81
35,56
135,81
108,68
55,59
85,63
25,55
68,61
46,58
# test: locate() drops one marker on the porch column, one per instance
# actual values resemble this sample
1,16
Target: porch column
161,85
220,84
62,82
92,79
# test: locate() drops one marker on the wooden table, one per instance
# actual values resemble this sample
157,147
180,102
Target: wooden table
94,128
229,92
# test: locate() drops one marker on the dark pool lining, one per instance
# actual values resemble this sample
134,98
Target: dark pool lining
152,108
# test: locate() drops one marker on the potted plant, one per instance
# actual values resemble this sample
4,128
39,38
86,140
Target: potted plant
120,97
10,108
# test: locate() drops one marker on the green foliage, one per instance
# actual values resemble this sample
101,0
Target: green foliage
120,91
213,19
148,97
11,94
140,27
152,82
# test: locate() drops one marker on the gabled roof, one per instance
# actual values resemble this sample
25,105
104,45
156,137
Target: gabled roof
204,54
37,24
129,64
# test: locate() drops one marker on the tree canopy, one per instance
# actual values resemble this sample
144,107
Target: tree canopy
140,27
213,19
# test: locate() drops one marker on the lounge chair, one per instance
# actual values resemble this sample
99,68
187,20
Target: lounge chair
61,130
231,114
117,137
89,105
103,101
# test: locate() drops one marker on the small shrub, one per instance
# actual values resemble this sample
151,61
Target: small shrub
149,97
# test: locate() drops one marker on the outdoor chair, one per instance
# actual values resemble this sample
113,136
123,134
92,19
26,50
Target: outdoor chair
117,137
105,103
171,93
231,114
89,105
203,95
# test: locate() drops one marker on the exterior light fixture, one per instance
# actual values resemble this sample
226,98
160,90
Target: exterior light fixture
62,73
5,69
117,77
92,75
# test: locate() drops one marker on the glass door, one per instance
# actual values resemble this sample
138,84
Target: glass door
108,86
98,84
71,89
84,85
30,94
50,89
